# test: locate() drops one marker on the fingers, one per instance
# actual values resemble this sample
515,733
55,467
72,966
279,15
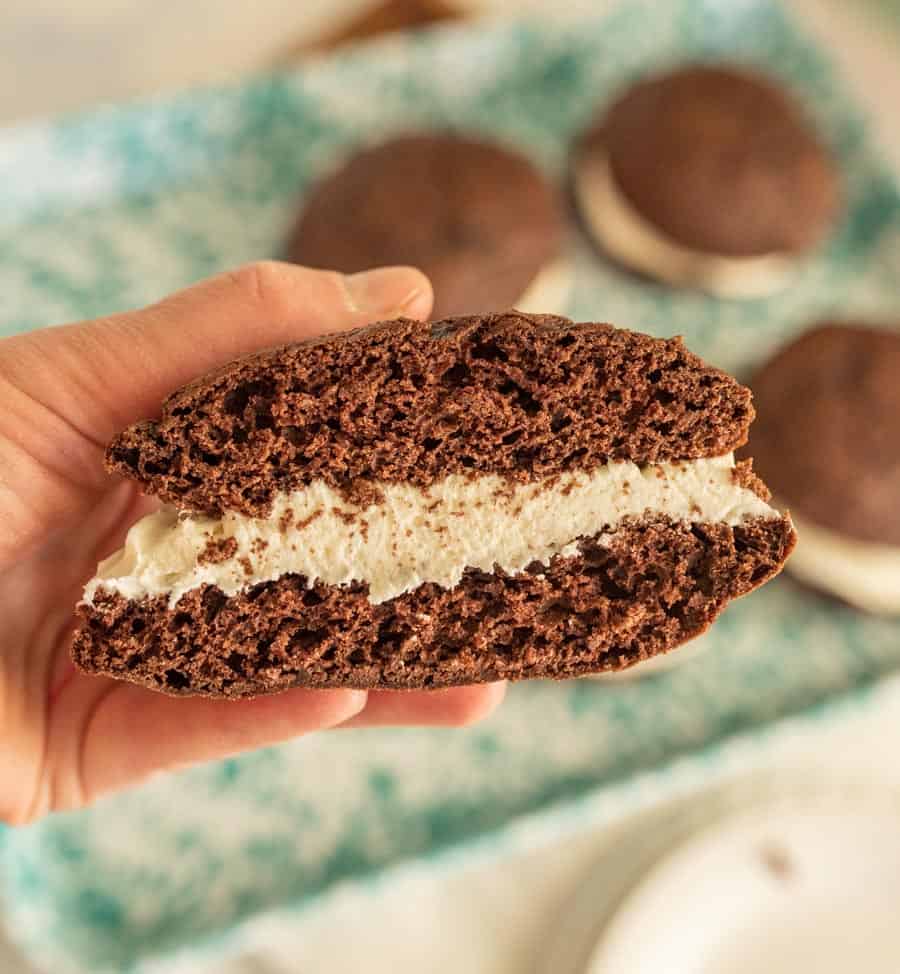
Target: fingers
103,375
133,732
456,707
115,734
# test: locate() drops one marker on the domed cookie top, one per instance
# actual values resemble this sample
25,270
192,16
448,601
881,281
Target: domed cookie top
827,435
478,218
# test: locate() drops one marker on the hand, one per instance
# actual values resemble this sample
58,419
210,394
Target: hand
65,737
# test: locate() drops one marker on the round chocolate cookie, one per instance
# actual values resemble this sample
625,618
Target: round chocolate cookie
827,439
708,176
479,219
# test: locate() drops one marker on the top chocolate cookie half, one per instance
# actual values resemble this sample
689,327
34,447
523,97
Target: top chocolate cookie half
521,396
721,160
478,218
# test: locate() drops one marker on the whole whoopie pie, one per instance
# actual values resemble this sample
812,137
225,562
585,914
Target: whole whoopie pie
709,177
416,505
827,437
478,218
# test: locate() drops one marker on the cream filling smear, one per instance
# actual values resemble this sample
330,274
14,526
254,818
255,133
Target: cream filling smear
631,239
415,535
864,574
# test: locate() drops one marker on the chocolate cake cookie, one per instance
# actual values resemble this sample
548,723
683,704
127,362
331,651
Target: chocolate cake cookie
828,440
479,219
423,505
708,177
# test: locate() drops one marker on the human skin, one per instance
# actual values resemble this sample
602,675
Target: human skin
65,737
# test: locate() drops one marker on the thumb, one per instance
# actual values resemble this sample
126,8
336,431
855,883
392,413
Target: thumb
99,376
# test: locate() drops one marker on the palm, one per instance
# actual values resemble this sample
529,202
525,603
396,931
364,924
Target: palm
40,583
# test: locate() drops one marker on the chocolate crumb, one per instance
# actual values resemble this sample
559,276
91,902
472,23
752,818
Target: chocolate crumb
506,491
361,492
305,522
742,474
777,860
217,551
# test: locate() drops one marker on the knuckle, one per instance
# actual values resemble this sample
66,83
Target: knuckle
260,282
21,810
335,283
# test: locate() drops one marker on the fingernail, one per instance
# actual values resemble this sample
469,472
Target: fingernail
355,702
388,291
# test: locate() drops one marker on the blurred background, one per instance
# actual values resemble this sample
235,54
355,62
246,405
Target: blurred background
56,57
546,902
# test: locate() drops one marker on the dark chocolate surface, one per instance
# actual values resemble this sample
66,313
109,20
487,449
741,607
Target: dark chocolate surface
827,437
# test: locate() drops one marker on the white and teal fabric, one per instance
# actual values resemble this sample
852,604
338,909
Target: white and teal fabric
115,208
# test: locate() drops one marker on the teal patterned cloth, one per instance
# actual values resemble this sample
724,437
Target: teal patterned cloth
113,209
891,8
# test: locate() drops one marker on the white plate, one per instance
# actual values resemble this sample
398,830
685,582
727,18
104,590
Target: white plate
774,891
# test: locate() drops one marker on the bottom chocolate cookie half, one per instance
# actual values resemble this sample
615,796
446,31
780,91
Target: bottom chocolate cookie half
641,591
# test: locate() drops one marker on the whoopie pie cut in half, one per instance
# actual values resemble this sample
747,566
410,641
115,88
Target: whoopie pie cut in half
415,505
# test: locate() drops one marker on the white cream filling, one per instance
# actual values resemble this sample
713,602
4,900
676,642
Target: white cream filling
549,290
414,535
631,239
864,574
